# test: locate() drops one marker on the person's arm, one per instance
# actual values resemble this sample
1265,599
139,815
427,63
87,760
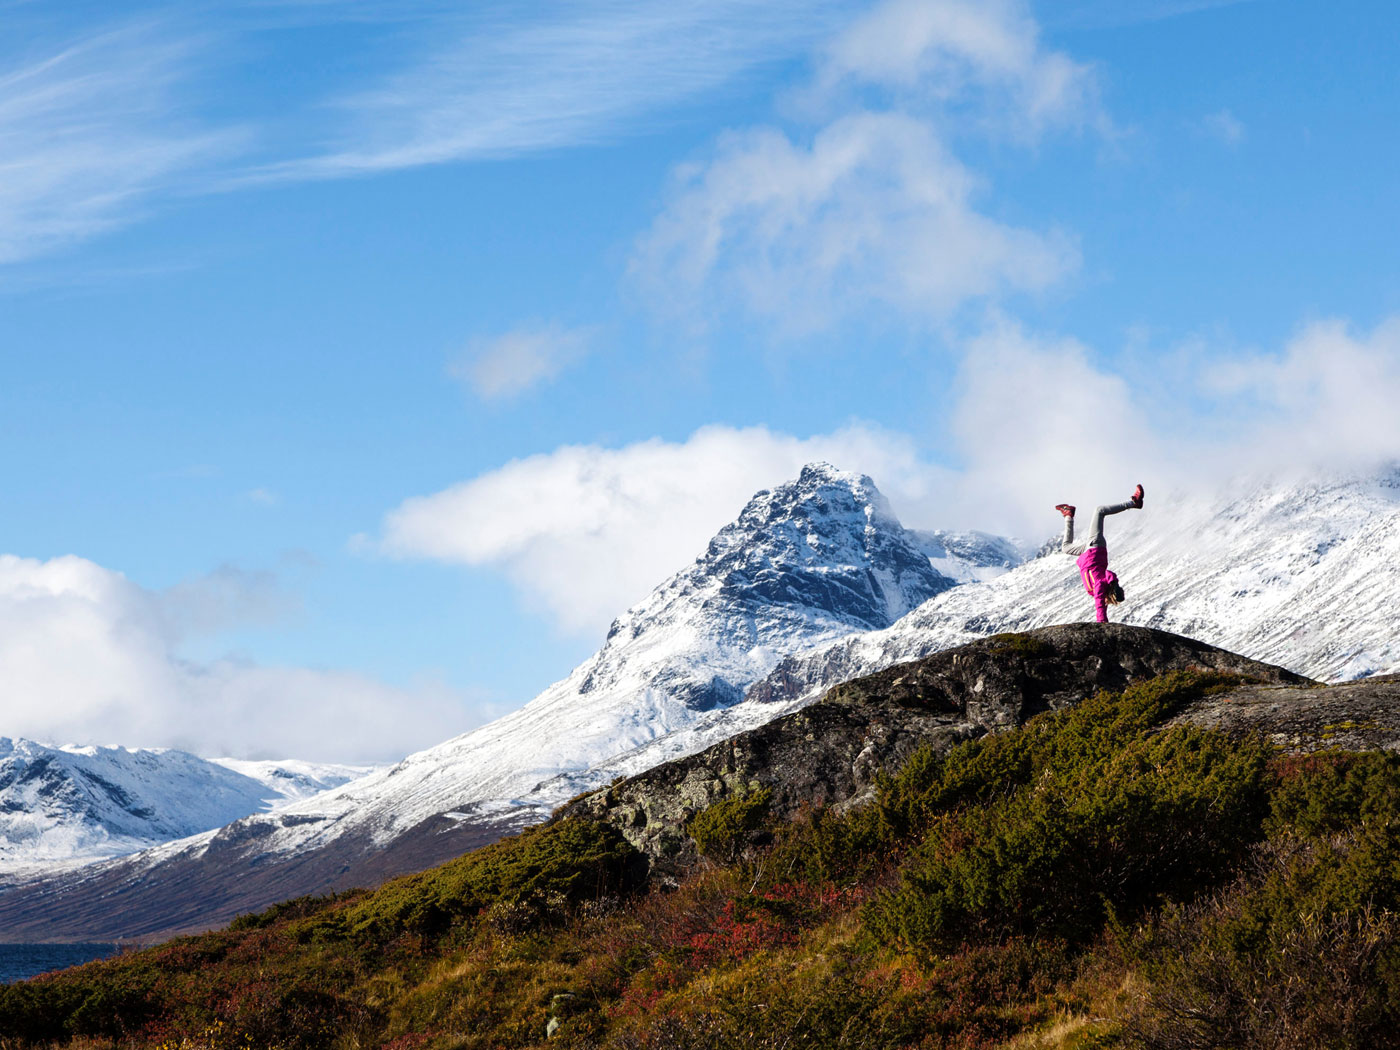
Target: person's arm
1100,602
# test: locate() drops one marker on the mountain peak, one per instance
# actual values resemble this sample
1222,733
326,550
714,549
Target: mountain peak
825,514
818,476
820,472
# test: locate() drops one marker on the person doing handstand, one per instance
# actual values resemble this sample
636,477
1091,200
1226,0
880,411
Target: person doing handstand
1099,580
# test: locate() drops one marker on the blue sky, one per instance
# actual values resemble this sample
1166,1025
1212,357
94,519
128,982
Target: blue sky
361,360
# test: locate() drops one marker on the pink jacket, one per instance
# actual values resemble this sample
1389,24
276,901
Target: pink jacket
1097,577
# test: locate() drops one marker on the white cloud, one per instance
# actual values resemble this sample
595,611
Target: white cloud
984,51
514,362
586,531
1329,397
87,656
1038,424
90,133
873,213
1039,421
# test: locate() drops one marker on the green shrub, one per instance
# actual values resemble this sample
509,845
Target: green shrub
1303,949
541,870
721,831
1080,814
1285,963
823,846
296,908
845,998
1322,794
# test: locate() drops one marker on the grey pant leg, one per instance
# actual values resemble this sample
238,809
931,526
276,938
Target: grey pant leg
1096,536
1067,544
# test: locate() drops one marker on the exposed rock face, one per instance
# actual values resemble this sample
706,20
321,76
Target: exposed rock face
1353,716
830,752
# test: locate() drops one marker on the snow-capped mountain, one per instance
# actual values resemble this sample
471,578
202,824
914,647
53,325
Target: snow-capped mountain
970,557
804,564
1300,574
1304,575
73,805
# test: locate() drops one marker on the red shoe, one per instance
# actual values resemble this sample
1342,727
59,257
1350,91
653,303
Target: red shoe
1067,510
1137,497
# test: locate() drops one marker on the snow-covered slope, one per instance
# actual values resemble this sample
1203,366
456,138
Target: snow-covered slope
804,564
289,780
1304,575
71,805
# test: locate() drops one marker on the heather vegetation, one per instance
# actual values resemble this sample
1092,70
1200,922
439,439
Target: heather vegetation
1091,880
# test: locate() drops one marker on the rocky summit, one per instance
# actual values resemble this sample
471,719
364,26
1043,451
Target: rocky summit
831,753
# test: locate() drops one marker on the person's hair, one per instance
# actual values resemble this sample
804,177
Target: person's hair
1114,595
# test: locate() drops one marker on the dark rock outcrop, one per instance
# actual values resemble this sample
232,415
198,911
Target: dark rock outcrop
1352,716
830,752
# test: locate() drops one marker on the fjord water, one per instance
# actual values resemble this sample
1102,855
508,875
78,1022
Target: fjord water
18,961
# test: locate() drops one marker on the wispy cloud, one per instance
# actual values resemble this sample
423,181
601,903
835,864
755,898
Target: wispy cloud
986,55
512,363
1225,126
494,85
90,132
96,131
873,213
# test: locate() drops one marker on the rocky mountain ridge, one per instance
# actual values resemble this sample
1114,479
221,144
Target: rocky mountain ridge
831,752
803,564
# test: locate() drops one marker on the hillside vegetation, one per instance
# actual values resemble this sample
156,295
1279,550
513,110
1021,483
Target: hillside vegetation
1090,879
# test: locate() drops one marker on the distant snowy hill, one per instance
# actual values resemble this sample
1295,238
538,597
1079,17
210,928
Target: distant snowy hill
73,805
804,564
